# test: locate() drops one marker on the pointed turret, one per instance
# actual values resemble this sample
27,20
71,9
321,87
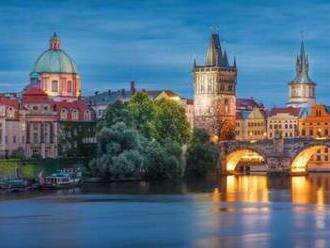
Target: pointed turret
214,53
302,67
194,63
235,62
225,59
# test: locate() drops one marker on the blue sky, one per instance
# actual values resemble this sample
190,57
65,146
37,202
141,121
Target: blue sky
154,42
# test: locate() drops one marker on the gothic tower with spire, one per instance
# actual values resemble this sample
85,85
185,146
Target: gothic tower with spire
302,88
215,92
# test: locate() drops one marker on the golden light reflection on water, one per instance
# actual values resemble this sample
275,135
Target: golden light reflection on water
257,188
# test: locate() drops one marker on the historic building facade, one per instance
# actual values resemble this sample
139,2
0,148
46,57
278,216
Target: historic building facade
215,92
251,124
302,88
56,73
314,123
284,122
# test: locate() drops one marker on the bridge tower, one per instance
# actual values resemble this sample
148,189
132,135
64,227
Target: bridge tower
215,92
302,88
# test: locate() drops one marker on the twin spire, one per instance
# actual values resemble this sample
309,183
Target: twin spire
214,56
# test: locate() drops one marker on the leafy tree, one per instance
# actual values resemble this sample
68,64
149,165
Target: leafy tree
158,163
143,111
170,122
114,113
202,155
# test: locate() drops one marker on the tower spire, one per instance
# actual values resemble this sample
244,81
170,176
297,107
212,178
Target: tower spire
214,53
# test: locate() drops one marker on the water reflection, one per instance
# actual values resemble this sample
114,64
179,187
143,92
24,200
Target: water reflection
313,188
232,211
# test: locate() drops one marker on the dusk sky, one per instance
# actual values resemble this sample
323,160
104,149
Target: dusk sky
154,42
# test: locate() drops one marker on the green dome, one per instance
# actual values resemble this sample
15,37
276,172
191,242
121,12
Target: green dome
54,61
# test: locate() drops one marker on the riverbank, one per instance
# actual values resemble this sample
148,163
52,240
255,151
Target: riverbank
31,168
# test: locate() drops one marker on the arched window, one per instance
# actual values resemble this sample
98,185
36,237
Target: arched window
87,115
75,114
64,114
69,86
10,112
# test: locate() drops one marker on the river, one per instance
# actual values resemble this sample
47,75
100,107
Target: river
233,211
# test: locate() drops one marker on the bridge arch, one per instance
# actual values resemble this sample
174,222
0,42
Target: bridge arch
300,161
234,157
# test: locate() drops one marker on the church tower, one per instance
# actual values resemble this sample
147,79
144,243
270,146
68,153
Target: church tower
215,92
302,88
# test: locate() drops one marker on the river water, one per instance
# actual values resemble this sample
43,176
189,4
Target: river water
232,211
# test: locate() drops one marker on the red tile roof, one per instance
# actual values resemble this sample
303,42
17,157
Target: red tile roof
289,110
35,95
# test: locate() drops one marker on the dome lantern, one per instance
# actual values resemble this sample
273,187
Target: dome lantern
55,42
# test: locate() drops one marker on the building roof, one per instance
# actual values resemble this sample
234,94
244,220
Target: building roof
288,110
302,68
34,94
248,104
108,97
155,93
72,105
54,60
13,102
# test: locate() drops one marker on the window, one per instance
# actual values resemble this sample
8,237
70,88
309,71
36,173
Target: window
64,114
303,132
69,86
14,139
311,133
54,86
75,114
87,115
10,112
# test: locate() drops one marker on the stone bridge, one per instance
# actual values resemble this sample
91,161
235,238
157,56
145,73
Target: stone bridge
289,156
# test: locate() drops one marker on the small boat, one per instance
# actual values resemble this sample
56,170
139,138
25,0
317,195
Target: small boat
65,178
14,184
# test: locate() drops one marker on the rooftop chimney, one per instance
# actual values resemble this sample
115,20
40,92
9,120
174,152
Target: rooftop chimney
133,89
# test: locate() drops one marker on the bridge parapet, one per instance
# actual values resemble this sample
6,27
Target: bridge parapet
279,154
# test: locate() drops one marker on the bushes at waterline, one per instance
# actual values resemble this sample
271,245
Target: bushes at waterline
123,152
202,155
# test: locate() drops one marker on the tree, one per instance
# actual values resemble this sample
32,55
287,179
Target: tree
170,122
143,111
202,155
114,113
118,152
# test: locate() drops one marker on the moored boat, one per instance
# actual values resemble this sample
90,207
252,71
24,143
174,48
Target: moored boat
65,178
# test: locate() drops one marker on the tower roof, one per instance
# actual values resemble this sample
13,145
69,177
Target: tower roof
214,53
302,67
54,60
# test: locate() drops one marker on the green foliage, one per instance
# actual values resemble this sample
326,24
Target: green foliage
143,111
141,139
170,122
202,155
75,139
116,112
31,168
